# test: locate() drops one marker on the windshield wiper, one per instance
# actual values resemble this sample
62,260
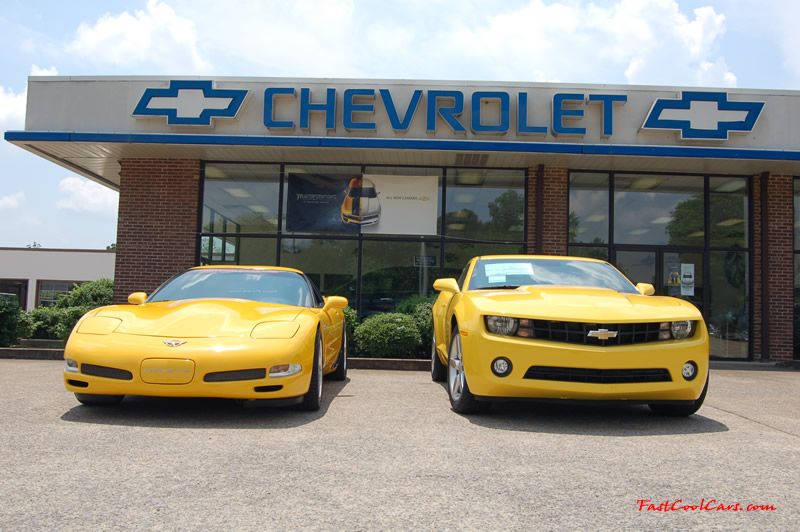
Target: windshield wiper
499,287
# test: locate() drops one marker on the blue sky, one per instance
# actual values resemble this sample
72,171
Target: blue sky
724,43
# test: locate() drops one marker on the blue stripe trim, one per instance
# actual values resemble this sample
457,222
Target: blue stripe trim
407,144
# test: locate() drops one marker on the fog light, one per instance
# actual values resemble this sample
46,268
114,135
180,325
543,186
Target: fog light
285,370
501,367
689,371
72,366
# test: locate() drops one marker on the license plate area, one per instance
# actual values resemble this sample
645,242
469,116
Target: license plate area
167,371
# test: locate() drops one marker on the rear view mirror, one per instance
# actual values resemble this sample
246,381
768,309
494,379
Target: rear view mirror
446,285
646,289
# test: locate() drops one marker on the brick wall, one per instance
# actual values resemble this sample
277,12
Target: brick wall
554,211
780,265
157,226
755,336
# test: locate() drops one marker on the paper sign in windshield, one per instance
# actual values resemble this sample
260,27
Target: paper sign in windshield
498,272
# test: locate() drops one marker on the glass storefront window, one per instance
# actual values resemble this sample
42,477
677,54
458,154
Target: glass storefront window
484,204
392,272
728,216
588,208
241,198
331,264
728,319
456,255
659,210
249,251
50,291
589,252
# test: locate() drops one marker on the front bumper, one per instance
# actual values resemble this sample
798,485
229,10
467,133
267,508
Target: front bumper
368,219
557,369
118,364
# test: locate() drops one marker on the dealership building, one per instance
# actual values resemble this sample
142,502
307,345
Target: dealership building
375,188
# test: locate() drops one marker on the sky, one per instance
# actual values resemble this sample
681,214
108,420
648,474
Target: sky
685,43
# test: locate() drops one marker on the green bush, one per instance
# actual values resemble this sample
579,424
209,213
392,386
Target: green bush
351,317
56,323
9,319
93,294
421,309
388,335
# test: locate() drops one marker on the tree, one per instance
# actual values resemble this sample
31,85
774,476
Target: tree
507,210
35,245
112,246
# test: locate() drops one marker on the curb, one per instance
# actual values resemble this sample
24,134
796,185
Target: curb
406,364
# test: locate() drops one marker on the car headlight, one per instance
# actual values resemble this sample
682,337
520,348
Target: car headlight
502,325
676,330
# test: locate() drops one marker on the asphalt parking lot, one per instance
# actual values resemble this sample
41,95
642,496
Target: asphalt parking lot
386,452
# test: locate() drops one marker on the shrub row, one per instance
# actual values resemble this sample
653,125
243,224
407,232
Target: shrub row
405,333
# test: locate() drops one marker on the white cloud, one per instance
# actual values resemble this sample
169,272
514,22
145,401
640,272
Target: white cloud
12,109
81,195
38,71
155,36
13,201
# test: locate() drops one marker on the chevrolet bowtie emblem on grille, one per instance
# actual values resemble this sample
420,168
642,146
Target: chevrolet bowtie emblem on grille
602,334
176,343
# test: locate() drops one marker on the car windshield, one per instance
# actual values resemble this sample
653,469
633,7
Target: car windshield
511,273
362,192
268,286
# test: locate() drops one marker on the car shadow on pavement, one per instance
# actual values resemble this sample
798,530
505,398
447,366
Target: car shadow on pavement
591,420
180,412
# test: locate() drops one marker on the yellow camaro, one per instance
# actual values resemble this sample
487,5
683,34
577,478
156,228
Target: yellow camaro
240,332
565,328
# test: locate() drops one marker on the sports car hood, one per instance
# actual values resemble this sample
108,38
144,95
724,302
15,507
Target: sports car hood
197,318
590,305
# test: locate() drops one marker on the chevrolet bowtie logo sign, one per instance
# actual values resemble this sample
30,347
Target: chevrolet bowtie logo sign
703,115
190,103
602,334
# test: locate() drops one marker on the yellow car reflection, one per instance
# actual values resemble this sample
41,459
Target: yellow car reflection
361,205
236,332
565,328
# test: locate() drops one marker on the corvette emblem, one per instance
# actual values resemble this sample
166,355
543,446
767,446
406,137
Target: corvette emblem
602,334
176,343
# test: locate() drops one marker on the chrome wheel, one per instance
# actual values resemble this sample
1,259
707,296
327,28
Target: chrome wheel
455,369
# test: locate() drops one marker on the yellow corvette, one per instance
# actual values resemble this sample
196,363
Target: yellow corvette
565,328
215,331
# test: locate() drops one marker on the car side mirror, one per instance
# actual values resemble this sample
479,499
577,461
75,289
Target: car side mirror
646,289
137,298
446,285
335,302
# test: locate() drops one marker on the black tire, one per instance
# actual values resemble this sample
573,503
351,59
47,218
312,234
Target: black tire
461,399
680,410
313,398
340,373
438,370
93,399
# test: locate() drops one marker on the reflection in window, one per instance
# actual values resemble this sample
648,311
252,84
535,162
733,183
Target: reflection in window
237,250
600,253
659,210
588,208
392,272
728,322
728,212
485,204
241,198
457,255
331,264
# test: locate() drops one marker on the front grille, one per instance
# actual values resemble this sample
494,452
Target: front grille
597,376
236,375
109,373
578,333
